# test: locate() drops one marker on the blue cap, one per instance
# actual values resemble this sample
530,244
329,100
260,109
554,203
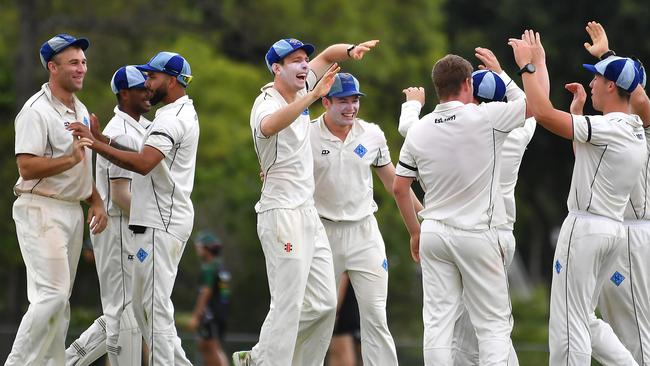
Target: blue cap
488,85
58,43
283,47
344,85
169,63
127,77
620,70
642,76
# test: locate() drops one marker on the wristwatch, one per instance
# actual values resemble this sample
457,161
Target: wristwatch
529,68
350,48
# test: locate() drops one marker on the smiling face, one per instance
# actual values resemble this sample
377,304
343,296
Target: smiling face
68,69
292,71
342,111
136,100
157,83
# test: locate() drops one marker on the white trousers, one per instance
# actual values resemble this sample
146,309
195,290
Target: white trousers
585,252
156,265
49,234
298,327
114,256
465,341
459,267
358,248
625,299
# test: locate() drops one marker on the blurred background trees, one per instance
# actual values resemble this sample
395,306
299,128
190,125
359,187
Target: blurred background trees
225,42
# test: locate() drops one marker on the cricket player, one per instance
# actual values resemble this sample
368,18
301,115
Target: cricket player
55,175
344,145
162,214
116,331
609,153
625,299
298,327
457,243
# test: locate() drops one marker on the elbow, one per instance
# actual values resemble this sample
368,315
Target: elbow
26,173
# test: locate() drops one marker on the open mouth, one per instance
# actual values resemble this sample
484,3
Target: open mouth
302,76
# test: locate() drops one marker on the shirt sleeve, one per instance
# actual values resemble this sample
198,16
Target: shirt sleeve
265,108
165,133
406,167
506,117
513,91
592,129
383,155
410,114
31,133
312,80
116,172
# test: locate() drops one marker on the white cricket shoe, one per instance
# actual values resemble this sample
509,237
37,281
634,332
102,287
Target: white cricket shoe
242,358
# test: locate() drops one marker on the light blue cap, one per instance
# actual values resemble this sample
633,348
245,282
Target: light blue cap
171,64
127,77
488,85
620,70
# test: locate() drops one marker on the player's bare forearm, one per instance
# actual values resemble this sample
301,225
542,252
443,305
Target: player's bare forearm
338,53
557,122
285,116
37,167
140,162
641,105
402,194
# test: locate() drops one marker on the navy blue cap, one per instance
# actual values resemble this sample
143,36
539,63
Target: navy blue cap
344,85
169,63
620,70
59,43
127,77
488,85
283,47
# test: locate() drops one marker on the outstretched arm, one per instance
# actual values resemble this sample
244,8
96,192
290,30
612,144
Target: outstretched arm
337,53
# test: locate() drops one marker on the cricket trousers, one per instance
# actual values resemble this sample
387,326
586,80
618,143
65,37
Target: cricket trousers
49,234
298,327
584,256
465,341
358,249
468,268
116,331
625,298
156,265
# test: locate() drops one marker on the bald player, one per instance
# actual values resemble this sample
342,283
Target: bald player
344,145
298,257
55,175
162,214
625,299
609,154
116,331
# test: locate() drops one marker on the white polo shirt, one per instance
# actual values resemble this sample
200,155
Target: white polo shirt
511,156
161,199
128,132
638,206
342,169
285,158
41,131
610,151
455,152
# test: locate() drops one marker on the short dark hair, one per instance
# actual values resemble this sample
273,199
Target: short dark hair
623,94
448,75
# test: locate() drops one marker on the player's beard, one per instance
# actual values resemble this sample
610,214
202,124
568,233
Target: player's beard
158,95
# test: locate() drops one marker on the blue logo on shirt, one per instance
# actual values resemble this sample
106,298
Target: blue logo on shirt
86,121
360,150
558,266
142,255
617,278
384,265
305,112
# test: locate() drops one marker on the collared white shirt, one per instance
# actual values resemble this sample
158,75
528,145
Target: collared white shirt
161,199
511,156
285,158
609,153
455,152
638,206
41,131
343,169
129,133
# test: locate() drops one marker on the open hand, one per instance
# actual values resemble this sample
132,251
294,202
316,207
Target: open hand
361,49
579,97
325,83
599,43
489,60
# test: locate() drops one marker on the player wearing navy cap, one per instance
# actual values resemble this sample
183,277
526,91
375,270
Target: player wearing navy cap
161,213
609,154
55,175
298,257
114,248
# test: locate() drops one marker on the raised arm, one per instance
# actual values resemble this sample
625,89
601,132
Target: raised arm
337,53
415,98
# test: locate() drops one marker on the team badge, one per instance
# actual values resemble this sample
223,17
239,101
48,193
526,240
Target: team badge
558,266
617,278
142,255
384,264
305,112
288,247
86,121
360,150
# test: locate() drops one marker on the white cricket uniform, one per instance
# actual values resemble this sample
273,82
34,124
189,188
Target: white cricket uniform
344,200
114,256
609,153
625,299
459,249
49,225
161,206
299,324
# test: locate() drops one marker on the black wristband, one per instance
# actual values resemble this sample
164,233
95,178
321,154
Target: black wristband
350,48
607,54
